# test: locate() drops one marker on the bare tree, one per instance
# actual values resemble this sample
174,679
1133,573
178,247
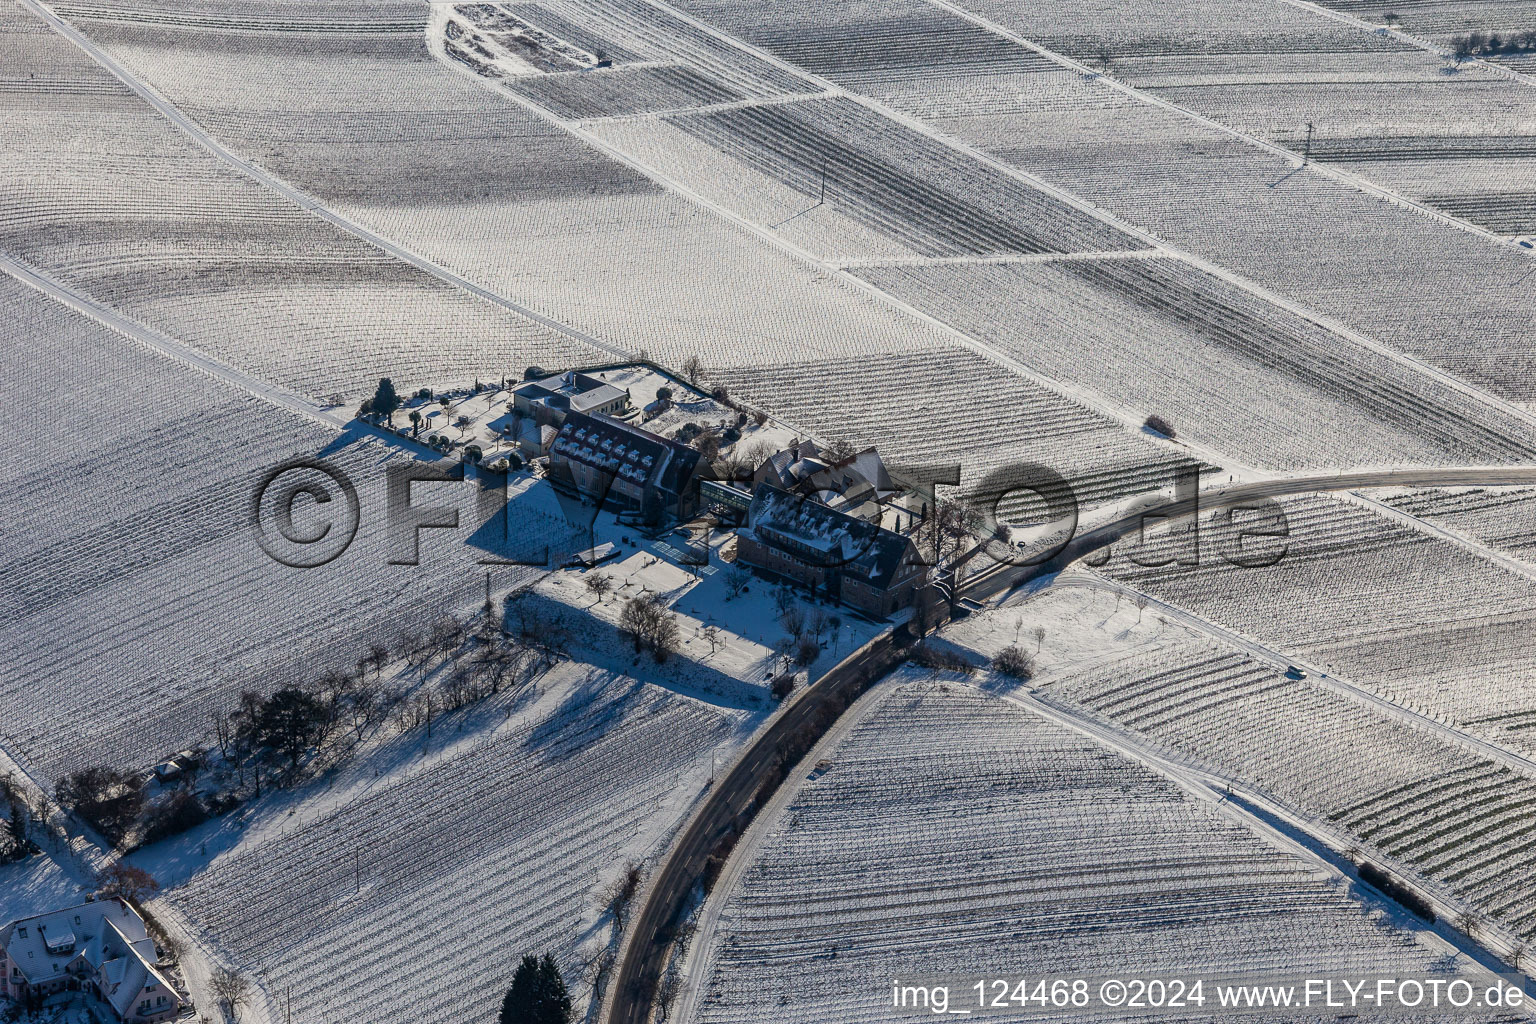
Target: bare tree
1012,661
231,989
784,599
125,880
807,650
708,444
817,622
598,585
378,657
757,453
618,893
736,580
838,450
651,625
793,620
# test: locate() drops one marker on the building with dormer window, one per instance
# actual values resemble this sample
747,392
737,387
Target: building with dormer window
624,467
102,949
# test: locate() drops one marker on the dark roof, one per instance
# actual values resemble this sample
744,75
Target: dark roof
626,451
818,535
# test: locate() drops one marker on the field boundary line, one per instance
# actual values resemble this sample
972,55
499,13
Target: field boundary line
173,114
1206,785
1032,257
166,346
1471,545
1354,691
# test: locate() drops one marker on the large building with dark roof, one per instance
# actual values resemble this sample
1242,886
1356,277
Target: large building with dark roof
850,559
624,466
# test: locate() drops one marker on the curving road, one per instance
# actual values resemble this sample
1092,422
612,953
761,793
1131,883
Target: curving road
798,728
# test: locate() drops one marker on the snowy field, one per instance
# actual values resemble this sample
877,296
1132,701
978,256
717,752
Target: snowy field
437,160
1375,267
128,520
1409,793
114,201
1268,388
428,857
1500,517
956,833
962,409
1416,617
974,233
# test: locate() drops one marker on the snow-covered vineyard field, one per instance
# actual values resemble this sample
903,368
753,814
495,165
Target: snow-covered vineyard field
1268,70
128,507
973,233
1374,267
960,409
1269,388
461,858
1338,252
1501,517
933,199
113,201
955,832
1417,618
1388,786
426,152
1440,21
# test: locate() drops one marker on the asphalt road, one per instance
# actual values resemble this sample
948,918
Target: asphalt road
646,940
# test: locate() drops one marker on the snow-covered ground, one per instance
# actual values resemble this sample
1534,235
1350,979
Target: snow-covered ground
35,886
504,826
970,232
956,835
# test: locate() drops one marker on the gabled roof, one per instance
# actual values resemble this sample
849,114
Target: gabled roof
791,464
110,939
819,535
